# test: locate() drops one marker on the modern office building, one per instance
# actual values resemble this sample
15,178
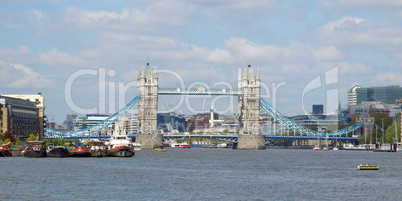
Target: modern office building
20,117
388,94
318,109
39,101
352,94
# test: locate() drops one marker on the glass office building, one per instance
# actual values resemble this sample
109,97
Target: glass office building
386,95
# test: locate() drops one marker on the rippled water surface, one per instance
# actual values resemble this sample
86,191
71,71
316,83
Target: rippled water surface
205,174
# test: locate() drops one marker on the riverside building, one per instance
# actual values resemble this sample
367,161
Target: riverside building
20,117
39,100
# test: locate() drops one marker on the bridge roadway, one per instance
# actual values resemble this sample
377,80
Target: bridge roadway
229,138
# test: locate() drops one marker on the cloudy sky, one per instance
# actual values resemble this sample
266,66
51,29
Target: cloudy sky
307,52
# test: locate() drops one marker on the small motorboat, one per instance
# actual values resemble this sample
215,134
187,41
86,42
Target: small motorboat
160,149
317,148
184,145
136,146
367,167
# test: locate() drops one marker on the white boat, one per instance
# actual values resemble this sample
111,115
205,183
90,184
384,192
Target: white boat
317,148
180,145
221,145
136,146
358,147
120,145
335,148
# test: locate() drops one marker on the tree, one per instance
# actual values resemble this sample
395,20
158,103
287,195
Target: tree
313,127
226,131
390,133
8,135
378,118
32,137
332,127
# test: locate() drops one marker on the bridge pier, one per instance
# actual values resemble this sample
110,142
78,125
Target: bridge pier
251,142
150,141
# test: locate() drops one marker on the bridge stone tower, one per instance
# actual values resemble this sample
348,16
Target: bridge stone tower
368,126
249,111
147,87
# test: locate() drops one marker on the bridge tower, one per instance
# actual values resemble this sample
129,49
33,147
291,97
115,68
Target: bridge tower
368,124
147,87
249,111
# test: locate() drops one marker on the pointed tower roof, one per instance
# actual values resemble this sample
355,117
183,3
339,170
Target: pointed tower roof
249,71
147,69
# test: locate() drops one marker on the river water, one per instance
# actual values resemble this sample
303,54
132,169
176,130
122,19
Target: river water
206,174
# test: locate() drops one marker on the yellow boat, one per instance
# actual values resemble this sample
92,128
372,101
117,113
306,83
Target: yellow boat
367,167
160,149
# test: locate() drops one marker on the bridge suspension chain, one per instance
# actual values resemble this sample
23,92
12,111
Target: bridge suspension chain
283,120
99,126
291,125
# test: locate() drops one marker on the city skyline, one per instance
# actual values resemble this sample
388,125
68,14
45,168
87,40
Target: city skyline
44,43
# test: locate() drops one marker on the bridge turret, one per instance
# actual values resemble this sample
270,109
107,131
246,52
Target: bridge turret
147,87
249,103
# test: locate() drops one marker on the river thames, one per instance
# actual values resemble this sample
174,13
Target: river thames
205,174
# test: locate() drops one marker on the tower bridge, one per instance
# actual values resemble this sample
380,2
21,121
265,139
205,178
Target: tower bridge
249,101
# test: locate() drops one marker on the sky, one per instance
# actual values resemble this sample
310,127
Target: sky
84,56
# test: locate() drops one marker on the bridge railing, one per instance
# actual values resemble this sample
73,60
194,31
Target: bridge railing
200,91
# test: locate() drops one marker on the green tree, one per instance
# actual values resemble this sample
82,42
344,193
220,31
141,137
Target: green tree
332,127
313,127
226,131
31,137
378,118
390,133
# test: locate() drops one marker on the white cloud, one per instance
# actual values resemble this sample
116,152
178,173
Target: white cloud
19,76
236,4
358,32
389,78
343,22
375,4
57,59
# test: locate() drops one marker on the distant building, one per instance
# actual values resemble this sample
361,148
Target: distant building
39,101
170,122
68,123
386,94
133,124
20,117
374,106
318,109
90,120
398,102
321,120
197,123
352,100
